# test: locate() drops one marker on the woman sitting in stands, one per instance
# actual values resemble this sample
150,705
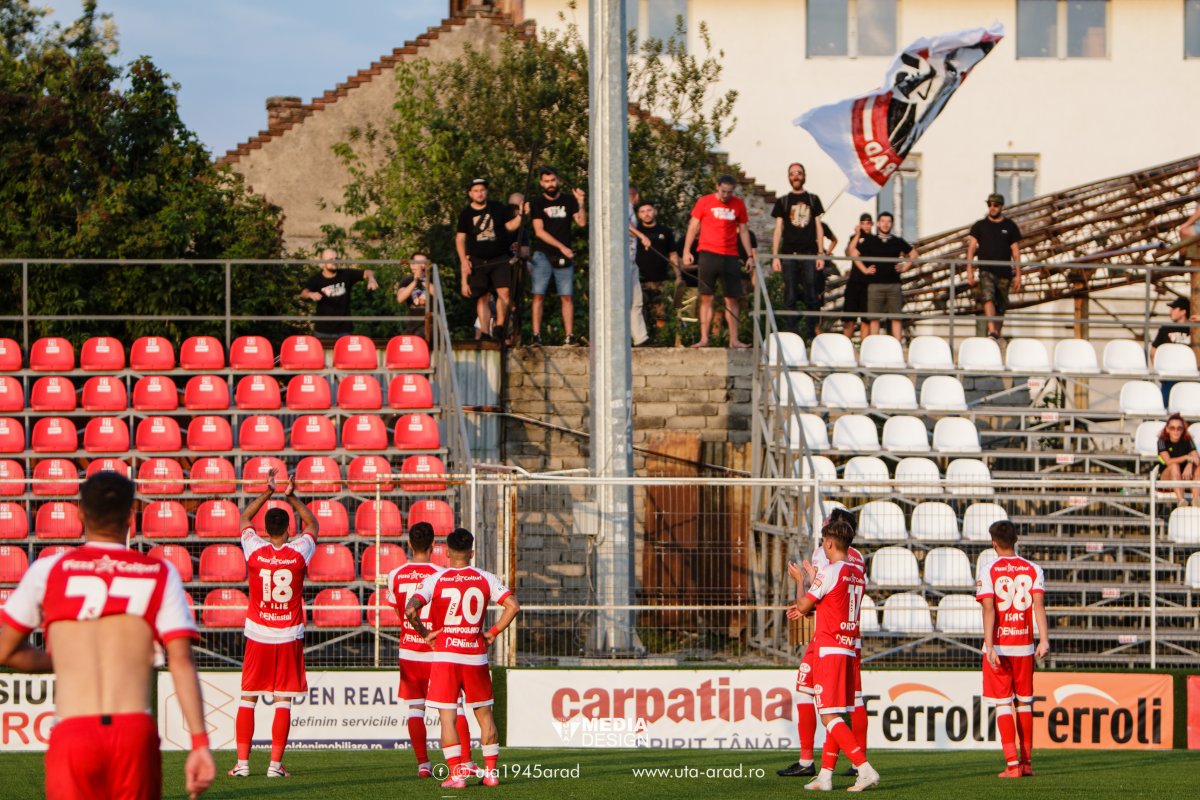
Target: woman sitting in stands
1177,457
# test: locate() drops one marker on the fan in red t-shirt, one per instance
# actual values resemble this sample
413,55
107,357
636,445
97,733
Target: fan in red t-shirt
719,219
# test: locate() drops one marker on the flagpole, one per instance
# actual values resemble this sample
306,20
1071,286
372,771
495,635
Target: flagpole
841,192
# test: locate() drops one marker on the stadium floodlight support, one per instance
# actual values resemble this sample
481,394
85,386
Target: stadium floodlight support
611,412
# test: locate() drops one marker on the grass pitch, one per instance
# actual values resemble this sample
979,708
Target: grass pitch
609,774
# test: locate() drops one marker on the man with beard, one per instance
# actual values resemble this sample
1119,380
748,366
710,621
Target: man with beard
798,231
482,240
994,239
552,257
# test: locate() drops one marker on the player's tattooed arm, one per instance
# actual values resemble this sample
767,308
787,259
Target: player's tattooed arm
412,612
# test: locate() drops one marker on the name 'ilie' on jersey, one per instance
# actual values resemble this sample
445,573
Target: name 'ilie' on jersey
276,612
459,597
838,590
1012,581
403,583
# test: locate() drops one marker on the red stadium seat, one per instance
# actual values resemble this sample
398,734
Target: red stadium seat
422,465
407,352
106,435
58,520
14,522
207,434
11,471
52,354
152,354
164,519
417,432
213,468
260,519
52,393
251,352
4,595
259,469
116,465
217,519
105,393
52,550
13,563
12,435
391,522
54,435
12,394
313,432
160,476
257,393
225,608
355,352
332,563
390,557
436,512
10,355
360,392
336,608
309,393
363,472
302,353
331,517
102,354
377,605
222,563
206,393
202,352
158,435
364,432
61,476
155,393
177,556
261,433
318,475
410,391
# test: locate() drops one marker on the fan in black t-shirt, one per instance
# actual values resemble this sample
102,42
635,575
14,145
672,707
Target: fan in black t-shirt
330,290
798,231
1177,457
483,240
994,238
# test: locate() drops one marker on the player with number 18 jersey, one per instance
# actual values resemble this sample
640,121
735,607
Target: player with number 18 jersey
275,622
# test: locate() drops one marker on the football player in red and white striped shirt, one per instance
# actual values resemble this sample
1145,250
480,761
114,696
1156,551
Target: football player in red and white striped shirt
1011,590
274,660
416,655
103,607
459,596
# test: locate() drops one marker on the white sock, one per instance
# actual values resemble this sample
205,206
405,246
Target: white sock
826,774
276,765
423,765
242,763
804,763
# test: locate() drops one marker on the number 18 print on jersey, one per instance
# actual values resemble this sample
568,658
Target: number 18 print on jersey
276,574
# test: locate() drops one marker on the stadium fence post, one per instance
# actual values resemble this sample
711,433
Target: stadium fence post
25,305
950,302
379,579
1153,569
228,305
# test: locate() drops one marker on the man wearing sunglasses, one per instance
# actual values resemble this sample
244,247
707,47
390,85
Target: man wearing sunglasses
994,239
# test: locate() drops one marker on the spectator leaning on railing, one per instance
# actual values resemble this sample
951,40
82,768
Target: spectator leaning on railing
330,290
994,238
413,293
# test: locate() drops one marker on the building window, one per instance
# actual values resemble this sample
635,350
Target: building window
654,19
1062,28
901,196
851,28
1191,28
1016,177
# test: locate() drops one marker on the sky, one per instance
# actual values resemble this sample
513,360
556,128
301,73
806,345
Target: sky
229,56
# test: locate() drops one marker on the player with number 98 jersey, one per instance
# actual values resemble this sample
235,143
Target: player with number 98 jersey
1011,581
274,662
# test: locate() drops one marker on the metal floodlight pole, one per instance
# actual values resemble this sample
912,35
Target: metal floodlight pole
611,375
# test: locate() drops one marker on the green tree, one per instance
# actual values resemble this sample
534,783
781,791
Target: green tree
99,165
501,115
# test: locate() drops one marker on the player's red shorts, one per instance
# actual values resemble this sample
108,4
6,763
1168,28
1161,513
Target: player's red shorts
274,668
833,684
447,681
804,675
109,757
414,678
1013,679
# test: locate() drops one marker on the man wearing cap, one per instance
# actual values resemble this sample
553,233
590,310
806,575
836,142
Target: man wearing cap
482,240
994,238
1178,332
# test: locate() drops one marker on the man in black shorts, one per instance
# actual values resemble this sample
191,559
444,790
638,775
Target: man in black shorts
483,242
854,298
720,220
884,295
994,238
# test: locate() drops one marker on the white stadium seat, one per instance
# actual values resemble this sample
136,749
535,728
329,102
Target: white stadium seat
1075,356
843,390
1174,360
882,521
786,349
980,354
832,350
855,432
978,518
795,388
934,521
881,352
1124,357
893,392
905,435
1141,399
1191,572
869,472
943,393
1027,357
955,435
868,619
894,566
972,472
813,428
921,476
961,614
948,568
1183,526
907,613
984,560
1145,439
823,467
1185,399
930,353
821,512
